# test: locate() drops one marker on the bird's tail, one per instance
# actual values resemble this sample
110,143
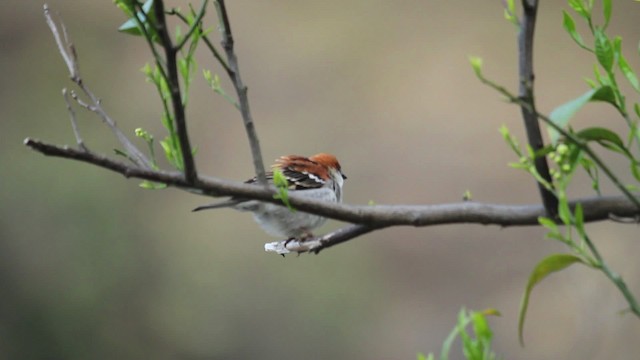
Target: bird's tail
218,205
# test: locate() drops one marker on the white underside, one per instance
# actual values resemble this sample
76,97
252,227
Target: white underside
279,221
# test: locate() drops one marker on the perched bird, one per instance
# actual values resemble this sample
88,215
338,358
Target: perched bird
317,177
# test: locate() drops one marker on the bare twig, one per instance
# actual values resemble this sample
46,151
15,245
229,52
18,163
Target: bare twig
377,216
241,90
173,83
66,48
534,136
69,55
72,117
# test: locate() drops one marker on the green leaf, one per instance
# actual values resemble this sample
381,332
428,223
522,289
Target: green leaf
628,72
570,26
476,64
563,113
606,94
604,50
145,184
282,184
510,12
605,137
147,18
546,267
580,8
481,326
564,213
548,223
606,11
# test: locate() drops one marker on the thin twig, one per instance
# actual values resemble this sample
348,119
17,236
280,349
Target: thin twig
208,42
65,47
173,83
241,90
72,117
196,24
614,277
526,93
69,55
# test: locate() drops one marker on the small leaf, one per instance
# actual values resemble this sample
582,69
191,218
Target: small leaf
145,184
147,18
592,84
564,213
604,93
510,12
603,136
282,184
606,11
476,64
570,26
548,223
580,8
546,267
628,72
481,326
604,50
563,113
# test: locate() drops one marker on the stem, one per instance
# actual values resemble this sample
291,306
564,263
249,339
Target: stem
614,277
526,93
173,82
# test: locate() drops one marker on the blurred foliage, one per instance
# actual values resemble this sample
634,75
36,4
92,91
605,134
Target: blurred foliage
570,151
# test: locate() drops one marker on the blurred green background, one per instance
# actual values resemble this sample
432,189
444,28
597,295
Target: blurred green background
94,267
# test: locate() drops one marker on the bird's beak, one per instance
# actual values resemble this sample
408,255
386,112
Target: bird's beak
344,176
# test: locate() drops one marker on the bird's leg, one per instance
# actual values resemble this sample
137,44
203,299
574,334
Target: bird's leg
306,235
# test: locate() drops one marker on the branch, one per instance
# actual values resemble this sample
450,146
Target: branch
316,245
529,114
233,71
377,216
70,57
173,82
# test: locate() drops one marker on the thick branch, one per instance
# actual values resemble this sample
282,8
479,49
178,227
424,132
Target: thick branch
534,136
378,216
233,70
173,82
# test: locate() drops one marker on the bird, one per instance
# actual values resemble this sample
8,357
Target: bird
315,177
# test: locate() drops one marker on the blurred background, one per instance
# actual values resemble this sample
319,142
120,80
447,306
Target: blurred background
94,267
